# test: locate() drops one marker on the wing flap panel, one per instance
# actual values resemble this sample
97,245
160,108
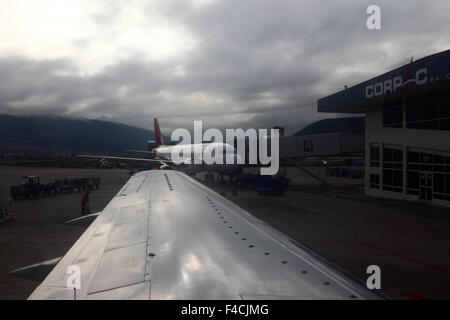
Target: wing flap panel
120,267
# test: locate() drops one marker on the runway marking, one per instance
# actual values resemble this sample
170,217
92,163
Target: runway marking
413,295
385,251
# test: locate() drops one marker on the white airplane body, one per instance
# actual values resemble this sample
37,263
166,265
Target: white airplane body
188,155
189,152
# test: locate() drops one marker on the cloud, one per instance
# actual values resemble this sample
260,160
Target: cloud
230,63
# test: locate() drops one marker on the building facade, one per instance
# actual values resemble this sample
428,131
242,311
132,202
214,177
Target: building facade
322,145
407,138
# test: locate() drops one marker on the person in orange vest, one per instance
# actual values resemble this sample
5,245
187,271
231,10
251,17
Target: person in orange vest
11,209
85,203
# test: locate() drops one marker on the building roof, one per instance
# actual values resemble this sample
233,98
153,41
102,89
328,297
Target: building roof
344,125
430,71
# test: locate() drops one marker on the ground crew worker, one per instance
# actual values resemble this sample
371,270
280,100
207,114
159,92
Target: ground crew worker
85,203
234,186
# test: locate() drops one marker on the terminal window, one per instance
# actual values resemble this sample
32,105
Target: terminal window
437,165
393,114
375,155
429,111
375,181
393,169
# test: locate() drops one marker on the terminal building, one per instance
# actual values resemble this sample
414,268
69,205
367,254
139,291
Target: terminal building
407,138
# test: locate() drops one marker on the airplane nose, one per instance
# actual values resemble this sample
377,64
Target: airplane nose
237,163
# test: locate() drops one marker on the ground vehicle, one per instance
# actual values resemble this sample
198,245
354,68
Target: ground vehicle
49,189
345,172
270,186
29,186
121,166
248,180
263,184
68,185
90,183
104,164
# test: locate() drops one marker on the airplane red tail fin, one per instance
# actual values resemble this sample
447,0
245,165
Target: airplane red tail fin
158,136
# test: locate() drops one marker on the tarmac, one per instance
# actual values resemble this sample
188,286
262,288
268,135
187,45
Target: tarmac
37,231
410,242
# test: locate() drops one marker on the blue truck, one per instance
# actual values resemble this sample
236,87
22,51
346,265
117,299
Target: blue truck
266,185
28,187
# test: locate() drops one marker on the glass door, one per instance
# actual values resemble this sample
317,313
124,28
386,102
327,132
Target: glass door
426,186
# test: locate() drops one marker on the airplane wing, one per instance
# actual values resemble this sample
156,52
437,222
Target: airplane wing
140,151
122,158
167,236
161,161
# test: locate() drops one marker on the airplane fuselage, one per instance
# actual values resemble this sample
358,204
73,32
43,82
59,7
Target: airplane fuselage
188,153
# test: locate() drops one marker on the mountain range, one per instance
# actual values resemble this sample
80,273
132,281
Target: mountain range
42,134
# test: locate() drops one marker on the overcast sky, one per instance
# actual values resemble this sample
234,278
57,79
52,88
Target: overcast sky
230,63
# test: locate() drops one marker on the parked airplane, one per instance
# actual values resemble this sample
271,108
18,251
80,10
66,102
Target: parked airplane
163,154
167,236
